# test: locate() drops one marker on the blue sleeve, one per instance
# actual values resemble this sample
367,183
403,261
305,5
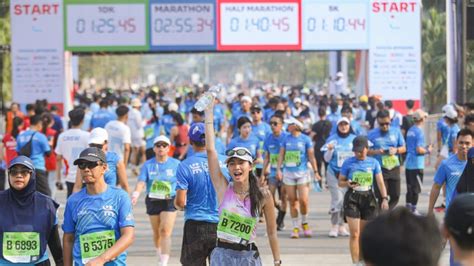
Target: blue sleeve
44,144
401,140
345,169
420,140
377,168
309,143
125,211
233,121
68,223
440,175
143,173
181,178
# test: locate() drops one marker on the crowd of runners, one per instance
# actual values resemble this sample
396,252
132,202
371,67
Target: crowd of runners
246,160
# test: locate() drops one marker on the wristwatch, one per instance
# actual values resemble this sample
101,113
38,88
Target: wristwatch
385,198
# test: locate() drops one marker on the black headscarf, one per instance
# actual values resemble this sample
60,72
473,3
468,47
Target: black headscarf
466,181
27,210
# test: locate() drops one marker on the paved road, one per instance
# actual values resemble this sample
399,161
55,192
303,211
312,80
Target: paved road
318,250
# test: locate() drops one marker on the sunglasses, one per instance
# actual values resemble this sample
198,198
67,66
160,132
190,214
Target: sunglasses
255,112
239,152
88,165
22,172
384,124
158,145
274,124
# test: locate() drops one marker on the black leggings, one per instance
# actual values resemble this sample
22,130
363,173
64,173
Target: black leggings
392,185
414,180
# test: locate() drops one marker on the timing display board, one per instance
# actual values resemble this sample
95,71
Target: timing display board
259,25
182,25
106,25
335,24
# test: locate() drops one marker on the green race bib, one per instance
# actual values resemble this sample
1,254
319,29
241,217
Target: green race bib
274,160
235,228
363,178
390,161
292,158
149,132
21,247
95,244
342,156
160,190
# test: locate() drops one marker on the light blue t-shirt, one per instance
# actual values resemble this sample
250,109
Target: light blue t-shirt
333,118
442,127
354,165
167,122
218,144
201,199
101,118
153,170
392,138
342,150
272,145
251,143
235,118
452,135
261,131
110,176
415,138
151,132
219,117
296,148
449,172
84,214
39,146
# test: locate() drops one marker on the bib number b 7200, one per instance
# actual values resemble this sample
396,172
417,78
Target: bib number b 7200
235,228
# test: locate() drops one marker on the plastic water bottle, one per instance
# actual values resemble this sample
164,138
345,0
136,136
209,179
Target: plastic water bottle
207,98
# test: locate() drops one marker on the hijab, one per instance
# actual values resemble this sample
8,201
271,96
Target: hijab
27,210
466,181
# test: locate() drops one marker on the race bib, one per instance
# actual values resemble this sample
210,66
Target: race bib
274,160
149,132
292,158
389,161
364,179
21,247
160,190
235,228
342,156
95,244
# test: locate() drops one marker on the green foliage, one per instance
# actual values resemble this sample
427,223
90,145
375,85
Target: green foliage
5,65
434,59
470,71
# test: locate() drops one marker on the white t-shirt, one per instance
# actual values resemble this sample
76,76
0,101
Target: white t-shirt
135,122
70,144
119,134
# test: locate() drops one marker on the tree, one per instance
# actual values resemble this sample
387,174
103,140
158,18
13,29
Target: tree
5,64
434,59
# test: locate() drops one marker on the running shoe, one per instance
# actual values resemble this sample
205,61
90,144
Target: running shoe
281,226
440,208
333,232
296,233
306,230
343,231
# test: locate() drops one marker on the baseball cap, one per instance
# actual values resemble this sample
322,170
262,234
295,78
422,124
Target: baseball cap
295,121
419,115
246,99
450,113
447,107
22,160
173,107
162,138
359,143
297,100
239,152
256,107
459,218
363,99
136,103
98,136
196,132
91,155
343,119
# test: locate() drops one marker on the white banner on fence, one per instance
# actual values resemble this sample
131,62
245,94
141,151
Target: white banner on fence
395,49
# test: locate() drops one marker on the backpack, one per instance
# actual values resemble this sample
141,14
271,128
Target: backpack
27,148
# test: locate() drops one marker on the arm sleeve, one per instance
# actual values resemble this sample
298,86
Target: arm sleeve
377,168
143,174
68,223
345,169
181,181
401,140
440,175
420,140
54,243
309,144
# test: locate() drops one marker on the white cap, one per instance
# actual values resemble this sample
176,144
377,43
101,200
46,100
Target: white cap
339,74
297,100
162,138
295,121
98,136
343,119
306,103
246,99
450,113
173,107
136,103
447,107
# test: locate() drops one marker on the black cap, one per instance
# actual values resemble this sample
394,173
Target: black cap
359,143
92,154
22,160
459,218
256,107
